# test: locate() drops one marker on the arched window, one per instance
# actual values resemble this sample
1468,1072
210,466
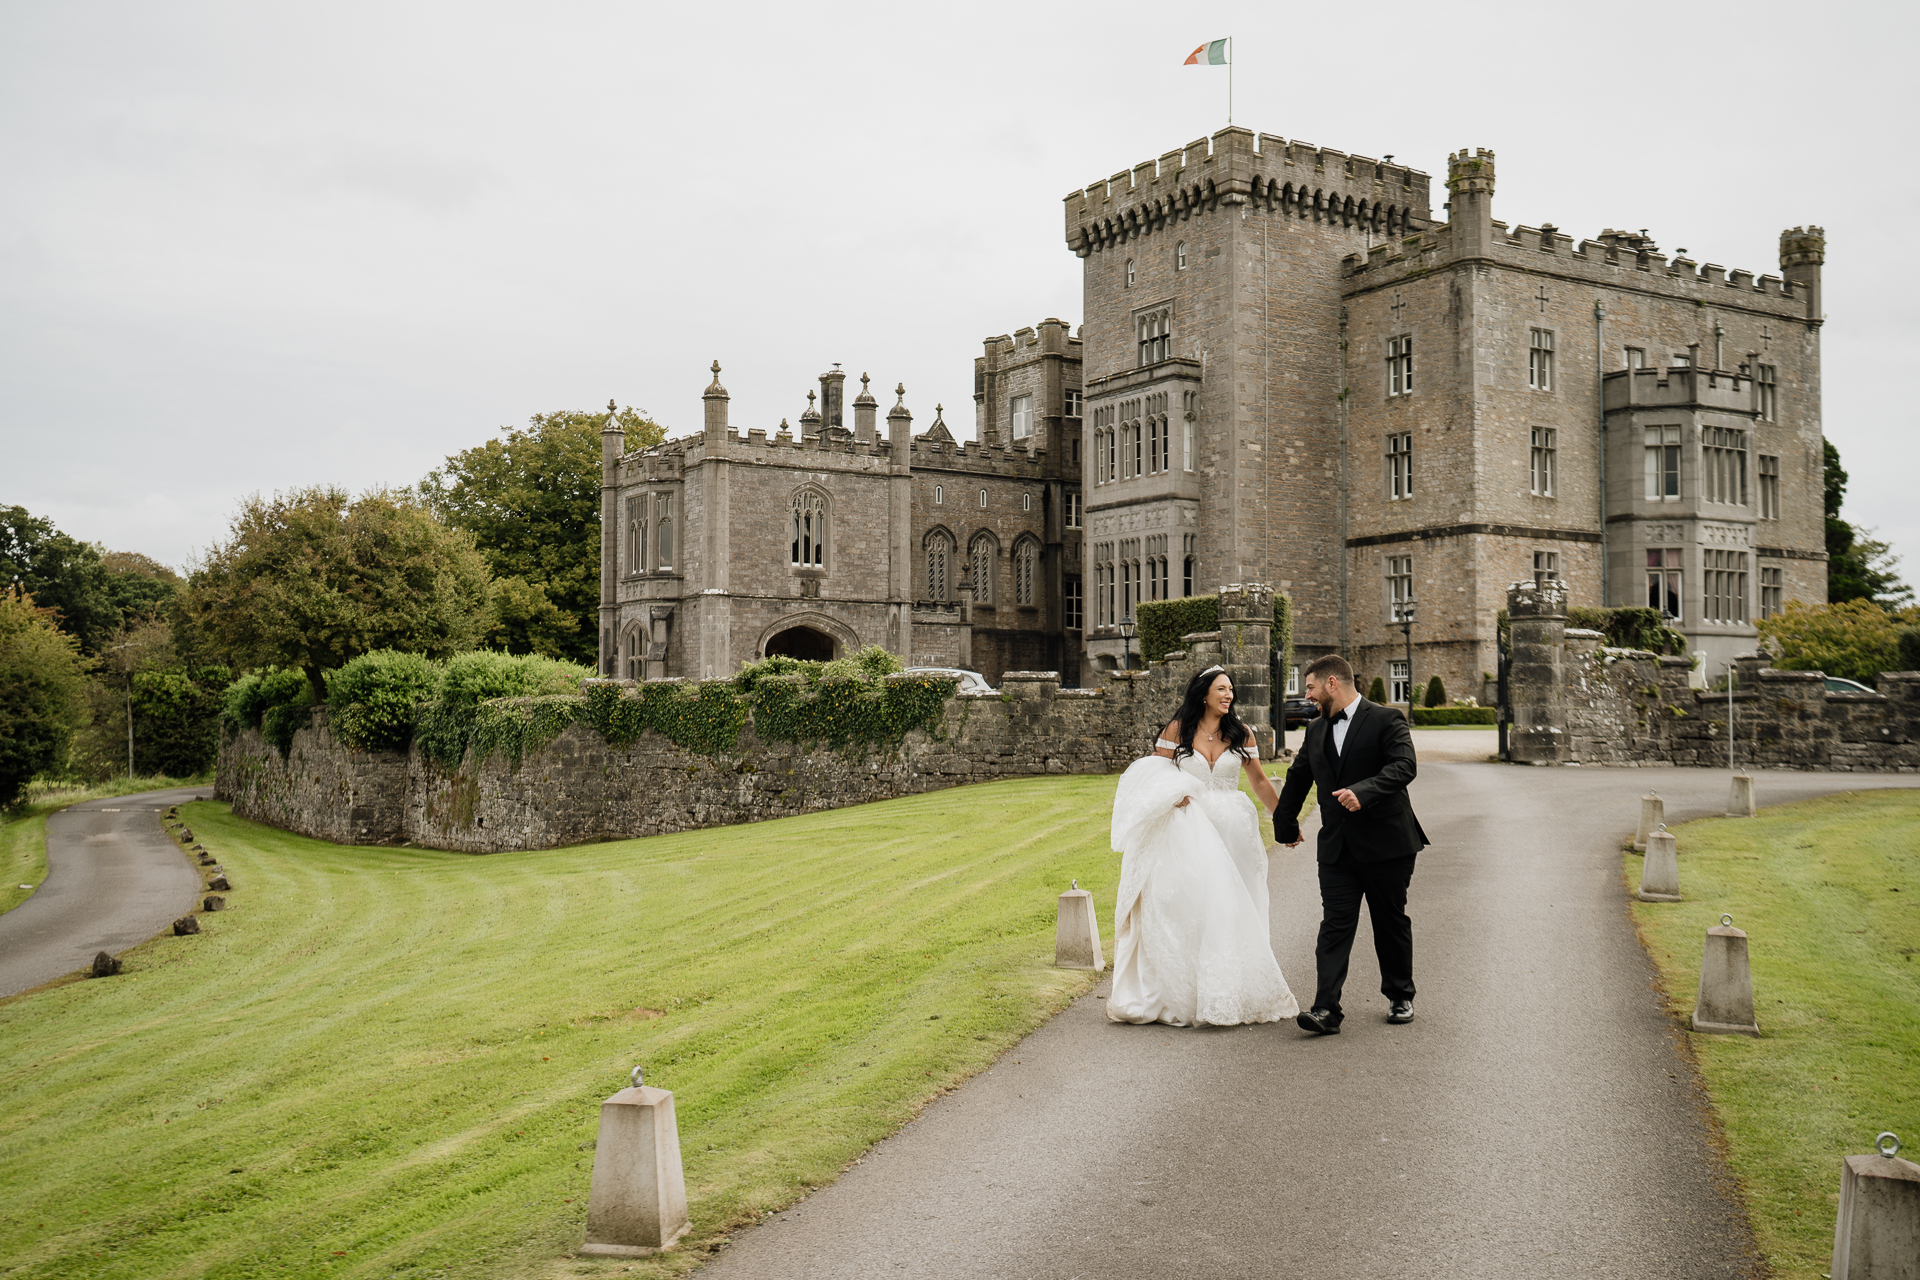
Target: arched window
636,655
809,532
637,534
981,554
939,566
1026,568
1180,256
663,529
1129,273
983,499
939,494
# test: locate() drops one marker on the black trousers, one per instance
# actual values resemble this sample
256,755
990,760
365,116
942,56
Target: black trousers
1384,885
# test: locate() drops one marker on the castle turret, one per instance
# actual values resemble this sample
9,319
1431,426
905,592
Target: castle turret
833,385
1470,202
613,442
864,408
1802,251
810,419
899,519
716,398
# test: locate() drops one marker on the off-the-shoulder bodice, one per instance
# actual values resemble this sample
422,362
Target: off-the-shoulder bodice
1224,775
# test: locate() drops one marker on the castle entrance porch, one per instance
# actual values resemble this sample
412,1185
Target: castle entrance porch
804,643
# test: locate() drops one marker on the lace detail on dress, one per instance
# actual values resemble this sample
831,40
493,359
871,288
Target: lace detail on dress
1222,775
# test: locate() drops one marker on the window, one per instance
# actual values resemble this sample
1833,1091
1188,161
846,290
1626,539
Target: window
1074,501
1026,559
1130,448
1189,456
1180,256
809,548
1723,465
1129,273
1400,366
1725,585
663,529
939,495
1129,575
1769,487
1546,567
1156,584
1540,359
983,499
637,534
1156,336
1071,605
1103,448
1636,357
1400,678
1545,447
1682,360
636,655
1026,502
1764,383
1772,592
1399,586
1103,584
1072,406
1663,581
939,562
1293,681
1022,417
981,555
1663,463
1400,465
1157,444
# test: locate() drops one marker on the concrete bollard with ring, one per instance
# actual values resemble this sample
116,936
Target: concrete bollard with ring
1876,1233
637,1205
1076,932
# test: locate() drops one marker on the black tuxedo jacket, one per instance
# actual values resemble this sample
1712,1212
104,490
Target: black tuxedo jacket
1376,766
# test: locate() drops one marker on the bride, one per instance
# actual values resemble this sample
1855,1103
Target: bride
1191,946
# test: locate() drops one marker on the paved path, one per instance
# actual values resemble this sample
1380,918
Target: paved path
114,879
1535,1120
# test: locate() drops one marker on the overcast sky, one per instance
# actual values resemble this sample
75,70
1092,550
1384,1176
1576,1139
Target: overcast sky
255,246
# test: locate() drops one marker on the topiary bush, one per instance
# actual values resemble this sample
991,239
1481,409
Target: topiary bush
1436,693
374,697
1377,692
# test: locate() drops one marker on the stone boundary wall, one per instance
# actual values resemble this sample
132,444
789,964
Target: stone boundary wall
1574,701
579,787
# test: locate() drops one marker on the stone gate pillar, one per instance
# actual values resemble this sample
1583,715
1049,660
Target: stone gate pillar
1246,638
1537,679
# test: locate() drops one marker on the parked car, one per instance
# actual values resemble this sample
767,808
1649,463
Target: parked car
1840,684
970,681
1298,711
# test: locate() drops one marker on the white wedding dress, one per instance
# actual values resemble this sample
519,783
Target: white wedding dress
1191,941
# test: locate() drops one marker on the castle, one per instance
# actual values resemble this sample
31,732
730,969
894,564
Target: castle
1289,372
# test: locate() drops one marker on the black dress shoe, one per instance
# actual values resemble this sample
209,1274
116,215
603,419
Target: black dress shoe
1402,1011
1322,1022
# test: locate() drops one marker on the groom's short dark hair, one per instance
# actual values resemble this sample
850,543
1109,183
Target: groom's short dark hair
1331,664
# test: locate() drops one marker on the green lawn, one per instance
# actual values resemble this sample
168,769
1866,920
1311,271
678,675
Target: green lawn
1829,894
23,831
385,1062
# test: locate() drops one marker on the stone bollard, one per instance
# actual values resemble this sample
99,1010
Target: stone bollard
184,926
105,966
1877,1233
1660,871
219,881
1653,812
1740,803
1076,933
1725,1003
213,902
638,1202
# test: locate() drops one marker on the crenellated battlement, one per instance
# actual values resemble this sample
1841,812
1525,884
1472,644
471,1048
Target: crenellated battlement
1239,167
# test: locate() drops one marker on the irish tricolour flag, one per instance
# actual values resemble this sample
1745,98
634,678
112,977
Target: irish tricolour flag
1212,54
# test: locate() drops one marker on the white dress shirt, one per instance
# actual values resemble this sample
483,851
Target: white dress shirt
1340,726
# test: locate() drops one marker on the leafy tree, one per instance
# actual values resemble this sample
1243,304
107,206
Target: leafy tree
43,682
95,592
1856,639
312,579
531,500
1858,568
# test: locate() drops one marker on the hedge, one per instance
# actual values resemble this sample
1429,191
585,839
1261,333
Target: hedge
1163,623
1431,716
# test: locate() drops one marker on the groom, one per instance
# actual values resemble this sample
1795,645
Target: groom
1359,758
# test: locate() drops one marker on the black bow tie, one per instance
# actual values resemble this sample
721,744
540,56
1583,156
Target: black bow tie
1338,716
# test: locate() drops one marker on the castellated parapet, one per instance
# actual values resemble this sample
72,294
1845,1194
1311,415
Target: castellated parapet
1238,166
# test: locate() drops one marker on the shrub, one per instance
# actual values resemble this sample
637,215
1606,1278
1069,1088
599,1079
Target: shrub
1908,649
858,701
373,698
1630,628
277,701
176,720
1377,692
1433,716
444,726
42,693
1164,622
1856,639
1436,693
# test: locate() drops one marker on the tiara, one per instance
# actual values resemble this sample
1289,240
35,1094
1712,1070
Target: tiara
1222,670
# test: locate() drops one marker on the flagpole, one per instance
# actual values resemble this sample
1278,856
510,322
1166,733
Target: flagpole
1229,81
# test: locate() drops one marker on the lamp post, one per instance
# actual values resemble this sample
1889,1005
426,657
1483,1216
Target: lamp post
1406,629
1126,638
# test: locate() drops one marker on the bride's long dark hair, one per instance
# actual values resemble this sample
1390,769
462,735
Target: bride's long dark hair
1194,706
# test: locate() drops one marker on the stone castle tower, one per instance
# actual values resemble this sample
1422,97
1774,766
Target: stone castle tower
1296,374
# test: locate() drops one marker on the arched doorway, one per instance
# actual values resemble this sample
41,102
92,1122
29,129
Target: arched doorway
804,643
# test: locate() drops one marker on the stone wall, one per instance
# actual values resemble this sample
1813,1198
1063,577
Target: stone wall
1572,700
579,787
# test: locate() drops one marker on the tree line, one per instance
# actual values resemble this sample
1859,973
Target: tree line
499,548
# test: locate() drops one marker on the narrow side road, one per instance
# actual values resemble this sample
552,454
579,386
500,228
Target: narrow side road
1535,1119
114,880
